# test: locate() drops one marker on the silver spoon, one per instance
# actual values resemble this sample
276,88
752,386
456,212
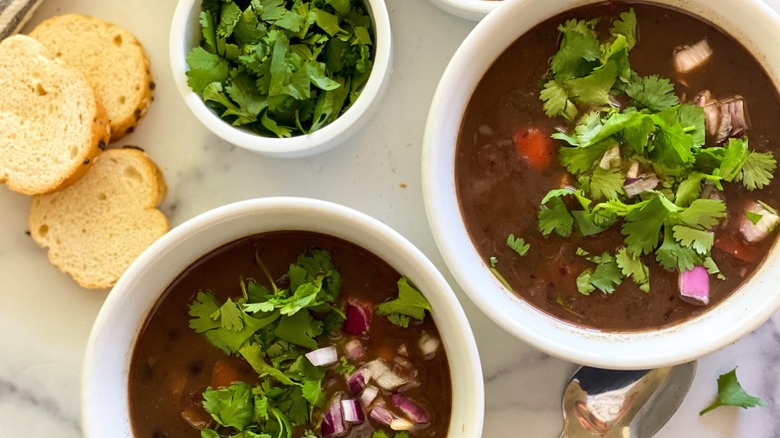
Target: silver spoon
625,404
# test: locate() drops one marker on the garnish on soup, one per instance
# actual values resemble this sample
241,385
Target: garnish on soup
302,354
661,172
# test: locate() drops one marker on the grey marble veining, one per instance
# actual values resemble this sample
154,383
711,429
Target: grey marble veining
45,318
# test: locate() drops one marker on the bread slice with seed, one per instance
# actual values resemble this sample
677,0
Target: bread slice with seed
95,228
51,122
111,59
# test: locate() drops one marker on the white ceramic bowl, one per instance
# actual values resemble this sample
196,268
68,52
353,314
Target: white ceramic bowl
185,35
469,9
107,361
750,21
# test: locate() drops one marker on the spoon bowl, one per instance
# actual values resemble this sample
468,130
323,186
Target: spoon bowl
612,403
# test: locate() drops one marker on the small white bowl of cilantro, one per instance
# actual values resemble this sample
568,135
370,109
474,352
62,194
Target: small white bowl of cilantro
469,9
301,356
281,78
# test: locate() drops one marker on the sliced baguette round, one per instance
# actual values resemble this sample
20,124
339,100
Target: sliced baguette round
95,228
52,122
111,59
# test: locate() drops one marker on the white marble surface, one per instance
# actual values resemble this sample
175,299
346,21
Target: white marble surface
45,318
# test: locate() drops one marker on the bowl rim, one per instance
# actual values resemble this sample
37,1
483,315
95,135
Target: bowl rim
318,215
616,350
320,140
469,9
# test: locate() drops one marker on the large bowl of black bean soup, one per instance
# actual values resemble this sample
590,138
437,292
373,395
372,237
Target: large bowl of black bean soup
282,317
600,176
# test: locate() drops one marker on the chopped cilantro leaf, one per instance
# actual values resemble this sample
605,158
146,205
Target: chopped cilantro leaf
345,367
753,217
518,244
731,393
556,101
700,241
673,255
410,303
579,50
606,184
703,214
554,216
578,160
205,68
643,225
735,155
232,406
299,329
605,277
758,170
632,266
625,25
712,268
652,92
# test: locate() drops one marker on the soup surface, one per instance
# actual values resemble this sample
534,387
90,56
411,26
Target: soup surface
173,366
501,187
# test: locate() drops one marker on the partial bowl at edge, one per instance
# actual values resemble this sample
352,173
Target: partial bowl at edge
474,10
104,395
753,23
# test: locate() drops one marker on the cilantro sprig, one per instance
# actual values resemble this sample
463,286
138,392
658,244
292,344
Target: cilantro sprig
281,67
409,304
272,329
731,393
661,138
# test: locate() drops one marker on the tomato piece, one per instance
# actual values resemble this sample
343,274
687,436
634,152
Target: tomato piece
736,248
534,147
224,374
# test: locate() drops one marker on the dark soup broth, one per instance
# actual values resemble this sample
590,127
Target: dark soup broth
604,170
290,334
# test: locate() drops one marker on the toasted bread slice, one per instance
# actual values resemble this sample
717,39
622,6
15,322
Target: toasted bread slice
111,59
52,124
95,228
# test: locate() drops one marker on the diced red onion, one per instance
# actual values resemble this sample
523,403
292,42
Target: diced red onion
382,415
760,230
333,422
711,108
358,318
734,121
323,357
611,158
353,412
368,395
688,58
401,424
358,380
613,102
703,98
385,416
354,350
633,170
403,362
694,286
385,377
711,192
410,408
641,184
428,345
